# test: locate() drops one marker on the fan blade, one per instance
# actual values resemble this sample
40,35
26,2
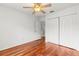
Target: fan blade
27,7
48,5
43,11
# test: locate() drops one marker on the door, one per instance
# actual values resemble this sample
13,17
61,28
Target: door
52,30
69,31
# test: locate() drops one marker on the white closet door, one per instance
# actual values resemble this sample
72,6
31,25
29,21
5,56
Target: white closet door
69,31
51,31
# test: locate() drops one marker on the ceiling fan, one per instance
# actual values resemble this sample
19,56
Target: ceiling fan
38,7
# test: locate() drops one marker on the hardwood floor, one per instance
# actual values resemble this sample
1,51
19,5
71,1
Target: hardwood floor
25,49
58,50
39,48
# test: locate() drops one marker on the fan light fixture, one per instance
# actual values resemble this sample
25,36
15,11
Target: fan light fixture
37,7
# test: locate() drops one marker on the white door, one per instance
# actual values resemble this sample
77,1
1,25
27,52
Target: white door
69,31
51,31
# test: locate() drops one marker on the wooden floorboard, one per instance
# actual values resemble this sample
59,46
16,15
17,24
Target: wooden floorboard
39,48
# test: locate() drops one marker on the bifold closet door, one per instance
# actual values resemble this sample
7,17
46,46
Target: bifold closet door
51,31
69,31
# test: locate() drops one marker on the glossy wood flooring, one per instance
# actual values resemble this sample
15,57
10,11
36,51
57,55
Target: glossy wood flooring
58,50
39,48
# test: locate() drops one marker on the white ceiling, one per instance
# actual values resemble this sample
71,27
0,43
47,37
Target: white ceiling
55,7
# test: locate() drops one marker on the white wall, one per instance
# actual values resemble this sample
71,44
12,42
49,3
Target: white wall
69,27
16,28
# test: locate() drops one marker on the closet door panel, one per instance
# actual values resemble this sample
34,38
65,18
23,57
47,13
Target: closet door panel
52,30
76,32
66,31
69,31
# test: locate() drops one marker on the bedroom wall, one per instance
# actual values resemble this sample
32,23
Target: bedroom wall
16,28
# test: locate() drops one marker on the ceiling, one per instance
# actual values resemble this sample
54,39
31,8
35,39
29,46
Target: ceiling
55,7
